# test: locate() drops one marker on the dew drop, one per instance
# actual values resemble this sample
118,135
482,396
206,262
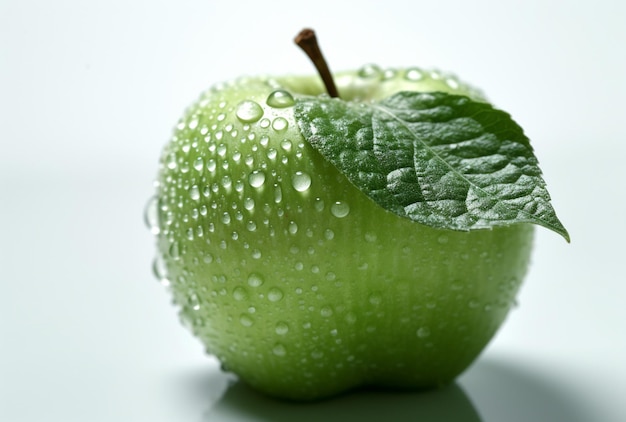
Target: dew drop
279,124
326,311
329,234
248,204
278,193
275,294
193,123
239,293
255,280
319,204
350,318
151,215
279,350
174,250
374,299
280,99
423,332
249,111
286,145
414,74
198,164
160,271
281,328
370,71
370,237
301,181
245,320
293,227
256,178
340,209
452,82
317,354
170,161
194,192
389,74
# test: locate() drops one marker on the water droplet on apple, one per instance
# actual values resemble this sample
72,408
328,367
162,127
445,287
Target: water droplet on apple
443,239
151,215
279,350
279,124
414,74
194,192
193,302
329,234
370,71
256,178
282,328
248,204
326,311
174,250
255,280
389,74
275,294
293,227
264,123
375,299
423,332
317,354
246,320
239,293
278,193
225,218
198,164
170,161
340,209
249,111
452,82
350,318
211,165
160,271
280,99
370,237
301,181
193,123
286,145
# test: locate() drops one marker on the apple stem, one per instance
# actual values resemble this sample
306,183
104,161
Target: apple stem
307,41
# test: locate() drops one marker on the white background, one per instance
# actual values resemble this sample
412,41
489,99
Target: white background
89,92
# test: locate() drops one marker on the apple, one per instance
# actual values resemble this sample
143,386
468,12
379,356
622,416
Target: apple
295,277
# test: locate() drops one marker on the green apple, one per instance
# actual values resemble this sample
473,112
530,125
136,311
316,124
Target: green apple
298,280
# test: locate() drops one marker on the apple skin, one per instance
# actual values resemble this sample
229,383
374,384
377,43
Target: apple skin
296,280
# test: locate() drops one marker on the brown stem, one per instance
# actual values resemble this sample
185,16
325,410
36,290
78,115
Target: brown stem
307,41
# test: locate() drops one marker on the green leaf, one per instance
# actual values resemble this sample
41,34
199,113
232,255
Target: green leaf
439,159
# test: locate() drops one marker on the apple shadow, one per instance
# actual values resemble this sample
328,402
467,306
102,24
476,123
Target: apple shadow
492,390
450,404
515,392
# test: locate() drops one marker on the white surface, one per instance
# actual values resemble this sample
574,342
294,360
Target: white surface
89,92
